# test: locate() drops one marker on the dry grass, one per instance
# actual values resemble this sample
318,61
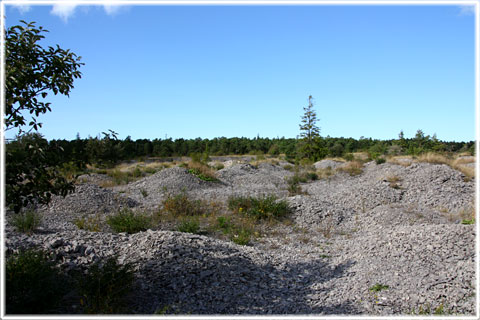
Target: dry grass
325,173
457,164
393,181
353,168
362,156
401,160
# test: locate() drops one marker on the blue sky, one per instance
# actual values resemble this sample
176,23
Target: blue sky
238,71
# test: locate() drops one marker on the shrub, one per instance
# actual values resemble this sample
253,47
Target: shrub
127,221
105,287
26,222
189,226
202,171
380,160
181,205
259,208
89,223
33,284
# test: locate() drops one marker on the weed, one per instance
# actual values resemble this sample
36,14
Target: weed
471,221
326,227
33,284
380,160
288,167
105,287
92,224
265,207
144,193
393,179
26,222
127,221
189,226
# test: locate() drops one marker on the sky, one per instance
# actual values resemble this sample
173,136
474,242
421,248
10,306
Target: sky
158,71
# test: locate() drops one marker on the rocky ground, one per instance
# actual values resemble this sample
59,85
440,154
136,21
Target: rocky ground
394,227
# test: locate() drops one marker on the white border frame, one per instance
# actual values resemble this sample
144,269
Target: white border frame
242,3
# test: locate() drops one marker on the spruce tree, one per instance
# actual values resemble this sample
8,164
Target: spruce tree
308,130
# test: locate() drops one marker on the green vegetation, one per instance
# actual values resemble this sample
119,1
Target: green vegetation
308,131
378,287
189,225
181,205
104,289
33,284
128,221
266,207
33,165
27,221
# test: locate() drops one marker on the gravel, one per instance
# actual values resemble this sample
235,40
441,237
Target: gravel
348,236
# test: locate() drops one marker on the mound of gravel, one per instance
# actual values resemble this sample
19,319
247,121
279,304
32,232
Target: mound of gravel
350,234
90,199
324,164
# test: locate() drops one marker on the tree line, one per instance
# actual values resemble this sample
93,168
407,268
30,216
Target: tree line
108,150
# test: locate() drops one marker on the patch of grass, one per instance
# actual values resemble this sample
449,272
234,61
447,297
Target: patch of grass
378,287
288,167
266,207
26,222
241,236
128,221
325,173
105,287
353,168
189,226
471,221
92,224
33,283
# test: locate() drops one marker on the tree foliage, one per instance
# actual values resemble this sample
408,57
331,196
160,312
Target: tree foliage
309,130
31,73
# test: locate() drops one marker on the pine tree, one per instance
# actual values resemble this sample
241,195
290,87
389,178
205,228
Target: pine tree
309,130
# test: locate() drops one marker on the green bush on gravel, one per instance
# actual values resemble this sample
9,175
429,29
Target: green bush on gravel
128,221
265,207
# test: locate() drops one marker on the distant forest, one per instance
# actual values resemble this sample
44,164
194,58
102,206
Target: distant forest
108,150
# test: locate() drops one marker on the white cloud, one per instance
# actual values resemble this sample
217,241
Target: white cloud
64,10
67,9
467,10
23,8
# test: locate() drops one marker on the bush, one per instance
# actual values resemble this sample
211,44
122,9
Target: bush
259,208
127,221
33,284
348,157
26,222
380,160
181,205
105,287
189,226
202,171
